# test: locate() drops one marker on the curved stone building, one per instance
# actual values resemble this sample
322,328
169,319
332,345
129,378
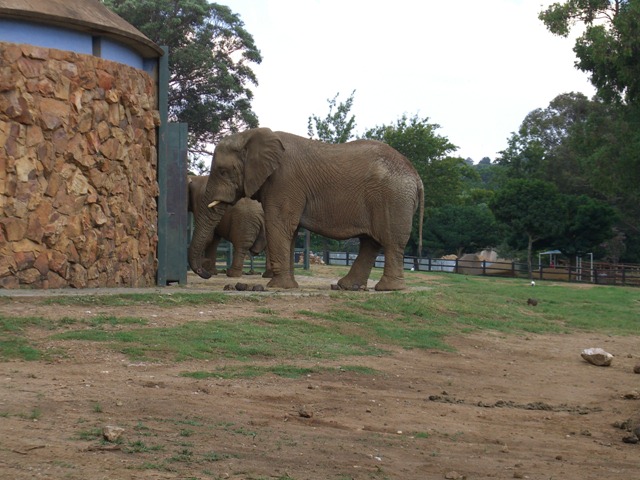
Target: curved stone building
78,147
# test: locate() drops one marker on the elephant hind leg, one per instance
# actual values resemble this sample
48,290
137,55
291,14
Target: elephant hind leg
393,275
358,275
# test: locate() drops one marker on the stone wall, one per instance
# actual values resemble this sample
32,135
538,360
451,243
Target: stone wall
78,165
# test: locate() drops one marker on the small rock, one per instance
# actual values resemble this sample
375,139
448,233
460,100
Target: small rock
532,301
630,439
636,369
454,476
334,286
241,287
112,433
597,356
258,288
304,413
228,286
632,395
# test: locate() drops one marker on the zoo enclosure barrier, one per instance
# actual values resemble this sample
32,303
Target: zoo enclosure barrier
601,273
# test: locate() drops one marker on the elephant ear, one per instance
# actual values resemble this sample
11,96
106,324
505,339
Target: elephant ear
263,155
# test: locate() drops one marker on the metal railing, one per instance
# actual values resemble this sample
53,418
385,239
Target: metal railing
601,273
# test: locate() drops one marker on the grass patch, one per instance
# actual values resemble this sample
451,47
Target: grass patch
242,339
13,332
13,344
359,324
286,371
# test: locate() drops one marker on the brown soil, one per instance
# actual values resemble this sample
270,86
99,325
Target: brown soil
499,406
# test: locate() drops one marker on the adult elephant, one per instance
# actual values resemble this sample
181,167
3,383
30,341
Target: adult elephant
363,189
242,225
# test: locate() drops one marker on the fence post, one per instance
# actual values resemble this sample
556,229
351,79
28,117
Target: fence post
484,267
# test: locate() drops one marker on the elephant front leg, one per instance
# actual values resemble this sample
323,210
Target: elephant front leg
358,275
211,256
237,263
280,256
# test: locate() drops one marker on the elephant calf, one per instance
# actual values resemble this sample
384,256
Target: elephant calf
242,225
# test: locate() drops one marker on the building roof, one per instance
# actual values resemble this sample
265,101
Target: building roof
89,16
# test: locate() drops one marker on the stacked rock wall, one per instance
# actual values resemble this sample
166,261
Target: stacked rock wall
78,165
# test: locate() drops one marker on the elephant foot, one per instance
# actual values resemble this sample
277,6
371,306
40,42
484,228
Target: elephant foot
353,288
346,283
388,284
267,274
234,273
282,282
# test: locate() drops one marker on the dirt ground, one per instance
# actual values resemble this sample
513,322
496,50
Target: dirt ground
517,406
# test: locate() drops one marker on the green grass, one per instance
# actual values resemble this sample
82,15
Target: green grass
241,339
358,324
286,371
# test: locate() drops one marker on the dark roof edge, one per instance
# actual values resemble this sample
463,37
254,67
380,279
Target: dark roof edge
131,37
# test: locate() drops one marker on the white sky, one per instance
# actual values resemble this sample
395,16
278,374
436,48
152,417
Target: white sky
474,67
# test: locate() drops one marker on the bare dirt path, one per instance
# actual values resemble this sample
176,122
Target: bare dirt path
516,406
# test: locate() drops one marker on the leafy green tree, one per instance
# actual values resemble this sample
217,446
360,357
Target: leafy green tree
540,148
337,126
460,229
531,209
210,57
589,223
609,47
584,147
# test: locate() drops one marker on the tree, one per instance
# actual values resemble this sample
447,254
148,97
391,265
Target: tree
532,209
589,223
540,148
460,229
210,57
609,48
335,128
584,147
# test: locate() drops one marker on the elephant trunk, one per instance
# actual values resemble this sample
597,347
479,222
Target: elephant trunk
205,224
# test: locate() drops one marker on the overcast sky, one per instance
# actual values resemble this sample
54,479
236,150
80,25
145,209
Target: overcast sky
474,67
